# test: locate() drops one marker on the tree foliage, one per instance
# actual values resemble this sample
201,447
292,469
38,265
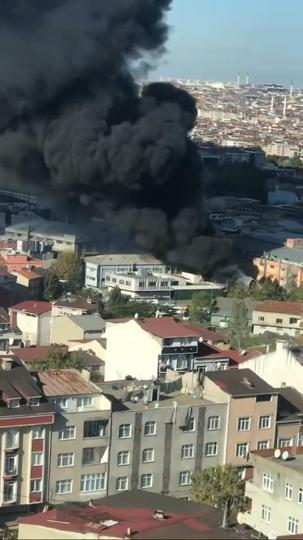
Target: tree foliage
52,285
238,326
58,357
69,268
201,308
219,486
121,306
265,289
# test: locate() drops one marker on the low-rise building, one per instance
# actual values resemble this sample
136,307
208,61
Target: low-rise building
275,492
79,450
284,264
223,313
67,328
278,317
29,284
74,305
33,320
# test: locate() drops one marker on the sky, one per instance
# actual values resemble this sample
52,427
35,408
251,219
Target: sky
216,39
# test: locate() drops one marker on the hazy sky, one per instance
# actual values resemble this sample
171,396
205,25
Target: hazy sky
214,39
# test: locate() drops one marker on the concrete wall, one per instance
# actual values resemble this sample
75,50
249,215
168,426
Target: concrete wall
38,532
28,324
270,323
63,329
44,327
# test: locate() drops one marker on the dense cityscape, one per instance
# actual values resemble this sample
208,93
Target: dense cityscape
151,288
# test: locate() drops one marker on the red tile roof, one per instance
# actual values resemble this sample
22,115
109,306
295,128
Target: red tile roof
27,274
65,382
29,354
165,327
32,307
207,335
276,306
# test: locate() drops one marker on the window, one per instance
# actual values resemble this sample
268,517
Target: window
288,491
260,318
184,478
264,422
293,525
263,445
12,439
211,449
300,496
37,458
34,401
300,439
293,320
244,423
148,455
13,403
38,432
268,482
266,513
123,457
10,464
92,482
94,428
65,459
279,321
67,433
191,426
285,443
93,456
122,483
64,486
242,450
150,428
146,480
187,451
62,403
36,486
213,423
125,431
86,401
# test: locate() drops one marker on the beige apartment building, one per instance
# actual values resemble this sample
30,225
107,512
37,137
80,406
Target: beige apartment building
252,411
278,317
32,318
275,493
67,328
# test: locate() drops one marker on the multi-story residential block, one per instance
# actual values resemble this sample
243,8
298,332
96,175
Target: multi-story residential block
284,264
289,426
67,328
278,317
25,422
99,266
79,450
158,442
33,320
252,411
275,493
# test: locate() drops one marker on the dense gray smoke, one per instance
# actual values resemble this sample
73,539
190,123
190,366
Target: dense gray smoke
73,121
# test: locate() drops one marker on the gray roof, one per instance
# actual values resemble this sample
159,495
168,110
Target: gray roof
113,259
43,227
88,322
225,306
240,382
288,254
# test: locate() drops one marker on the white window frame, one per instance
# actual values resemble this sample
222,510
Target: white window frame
150,450
93,479
120,481
148,432
285,442
213,423
266,513
36,430
122,428
268,482
66,482
85,402
263,445
191,426
62,402
292,525
288,493
239,453
36,485
71,429
13,403
185,478
187,451
37,458
300,495
211,449
122,462
146,476
34,401
65,455
261,422
244,423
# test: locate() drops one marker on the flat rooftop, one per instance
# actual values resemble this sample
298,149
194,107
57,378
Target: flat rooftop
122,258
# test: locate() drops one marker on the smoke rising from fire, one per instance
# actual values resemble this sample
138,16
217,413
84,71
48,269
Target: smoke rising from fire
73,121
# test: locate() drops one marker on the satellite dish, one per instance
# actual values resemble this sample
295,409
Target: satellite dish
277,453
285,455
241,518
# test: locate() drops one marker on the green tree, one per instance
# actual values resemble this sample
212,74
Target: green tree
201,308
270,290
52,285
238,326
116,298
69,268
222,487
239,292
58,357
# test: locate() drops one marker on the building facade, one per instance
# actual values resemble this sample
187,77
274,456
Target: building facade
278,317
33,320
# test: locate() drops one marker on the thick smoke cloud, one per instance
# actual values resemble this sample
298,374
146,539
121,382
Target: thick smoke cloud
73,121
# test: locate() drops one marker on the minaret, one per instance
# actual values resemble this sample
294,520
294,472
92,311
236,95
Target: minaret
247,79
285,107
291,88
238,80
272,105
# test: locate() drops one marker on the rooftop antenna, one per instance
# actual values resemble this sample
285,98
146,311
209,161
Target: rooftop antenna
272,105
291,89
238,80
247,79
285,107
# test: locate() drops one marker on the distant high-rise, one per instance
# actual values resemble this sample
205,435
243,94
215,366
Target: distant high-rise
247,79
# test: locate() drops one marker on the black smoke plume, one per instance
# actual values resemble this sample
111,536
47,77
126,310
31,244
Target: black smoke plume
73,121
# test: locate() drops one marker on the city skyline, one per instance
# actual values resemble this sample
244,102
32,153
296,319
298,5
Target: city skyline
262,40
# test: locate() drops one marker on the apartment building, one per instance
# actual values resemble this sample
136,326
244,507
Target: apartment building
98,267
275,493
79,450
74,305
25,423
289,425
278,317
66,328
284,264
252,411
32,318
159,440
29,284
